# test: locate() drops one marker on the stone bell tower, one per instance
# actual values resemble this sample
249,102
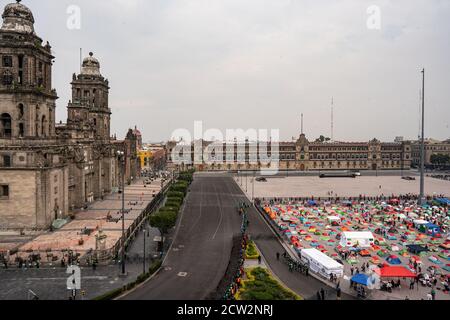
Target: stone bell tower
90,99
27,100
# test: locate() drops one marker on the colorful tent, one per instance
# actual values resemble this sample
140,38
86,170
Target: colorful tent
362,278
395,272
393,260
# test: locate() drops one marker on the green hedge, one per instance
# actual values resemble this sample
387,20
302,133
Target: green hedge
176,194
251,252
262,286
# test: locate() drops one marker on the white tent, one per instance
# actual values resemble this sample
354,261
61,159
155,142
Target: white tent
334,218
321,263
360,239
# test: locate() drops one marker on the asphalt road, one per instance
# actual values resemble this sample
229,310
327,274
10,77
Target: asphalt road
268,244
202,245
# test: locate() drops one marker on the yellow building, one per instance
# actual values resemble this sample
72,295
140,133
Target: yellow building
145,157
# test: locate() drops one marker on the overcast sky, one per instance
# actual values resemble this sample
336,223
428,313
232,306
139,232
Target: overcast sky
259,64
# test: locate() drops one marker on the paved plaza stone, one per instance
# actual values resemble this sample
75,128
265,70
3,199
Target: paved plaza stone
94,218
343,187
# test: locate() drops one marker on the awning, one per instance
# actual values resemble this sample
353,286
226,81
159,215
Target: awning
395,272
362,278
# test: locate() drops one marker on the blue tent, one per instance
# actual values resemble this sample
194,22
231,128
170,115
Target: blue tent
393,260
432,228
312,203
443,201
361,278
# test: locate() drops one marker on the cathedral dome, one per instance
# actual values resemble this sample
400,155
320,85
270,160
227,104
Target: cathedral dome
91,66
18,18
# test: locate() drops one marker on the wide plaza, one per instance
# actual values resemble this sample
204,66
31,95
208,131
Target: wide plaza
319,224
306,186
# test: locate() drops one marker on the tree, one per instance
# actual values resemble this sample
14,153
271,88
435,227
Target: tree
163,221
322,138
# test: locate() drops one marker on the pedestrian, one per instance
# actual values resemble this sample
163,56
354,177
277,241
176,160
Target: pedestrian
338,293
259,259
433,294
411,285
278,256
352,270
322,294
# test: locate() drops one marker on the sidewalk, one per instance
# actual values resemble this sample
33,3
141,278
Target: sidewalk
70,237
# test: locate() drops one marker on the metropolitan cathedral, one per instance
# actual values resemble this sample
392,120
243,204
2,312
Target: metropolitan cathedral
48,170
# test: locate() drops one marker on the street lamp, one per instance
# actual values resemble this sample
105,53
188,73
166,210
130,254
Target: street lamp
145,231
121,156
422,145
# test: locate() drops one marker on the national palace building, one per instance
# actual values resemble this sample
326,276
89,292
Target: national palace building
300,155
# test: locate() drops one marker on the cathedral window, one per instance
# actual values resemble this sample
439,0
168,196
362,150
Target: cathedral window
6,161
21,130
7,78
43,126
21,110
7,62
5,126
20,78
4,191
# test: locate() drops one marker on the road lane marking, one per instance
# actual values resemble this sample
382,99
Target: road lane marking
221,212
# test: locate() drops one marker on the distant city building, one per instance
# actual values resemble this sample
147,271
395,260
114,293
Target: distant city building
432,147
399,139
302,155
47,169
138,135
152,157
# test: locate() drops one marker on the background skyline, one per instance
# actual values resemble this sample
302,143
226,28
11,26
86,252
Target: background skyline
259,64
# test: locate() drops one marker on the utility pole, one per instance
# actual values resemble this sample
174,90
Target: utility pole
121,156
253,186
246,178
145,231
422,145
332,119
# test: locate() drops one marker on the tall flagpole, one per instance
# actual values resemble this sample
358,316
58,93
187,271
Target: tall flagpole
422,145
332,119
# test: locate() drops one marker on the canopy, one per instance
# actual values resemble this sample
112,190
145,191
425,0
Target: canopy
395,272
361,278
312,203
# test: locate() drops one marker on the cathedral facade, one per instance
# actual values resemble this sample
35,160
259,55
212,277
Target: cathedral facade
48,170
